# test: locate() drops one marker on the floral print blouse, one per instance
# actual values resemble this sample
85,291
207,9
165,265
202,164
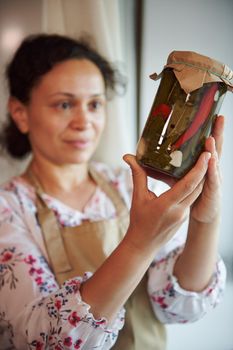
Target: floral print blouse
35,313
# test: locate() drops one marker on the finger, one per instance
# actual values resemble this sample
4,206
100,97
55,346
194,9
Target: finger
190,181
210,146
189,200
217,133
213,179
138,174
213,170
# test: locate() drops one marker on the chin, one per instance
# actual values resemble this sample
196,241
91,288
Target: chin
70,157
81,159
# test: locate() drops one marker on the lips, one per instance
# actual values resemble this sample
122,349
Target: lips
79,144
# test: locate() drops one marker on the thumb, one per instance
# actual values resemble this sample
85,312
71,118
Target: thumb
138,174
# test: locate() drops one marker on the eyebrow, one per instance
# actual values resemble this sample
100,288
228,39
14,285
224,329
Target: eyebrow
68,94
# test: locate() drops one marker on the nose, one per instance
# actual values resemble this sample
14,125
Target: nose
81,118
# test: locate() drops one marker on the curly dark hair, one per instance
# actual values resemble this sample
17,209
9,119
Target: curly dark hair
35,57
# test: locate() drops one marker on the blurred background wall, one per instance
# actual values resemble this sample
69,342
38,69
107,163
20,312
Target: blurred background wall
139,35
204,26
17,19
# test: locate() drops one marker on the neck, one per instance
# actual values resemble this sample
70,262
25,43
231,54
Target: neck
53,177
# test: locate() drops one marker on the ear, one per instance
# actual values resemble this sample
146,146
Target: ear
18,112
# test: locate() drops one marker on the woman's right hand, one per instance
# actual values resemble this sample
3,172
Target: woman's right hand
155,219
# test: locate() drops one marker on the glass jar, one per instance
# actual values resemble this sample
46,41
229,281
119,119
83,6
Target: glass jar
188,99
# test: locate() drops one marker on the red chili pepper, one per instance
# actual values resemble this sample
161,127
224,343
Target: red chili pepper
200,117
162,109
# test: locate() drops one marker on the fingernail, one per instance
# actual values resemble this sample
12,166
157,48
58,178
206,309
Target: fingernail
214,141
207,157
125,158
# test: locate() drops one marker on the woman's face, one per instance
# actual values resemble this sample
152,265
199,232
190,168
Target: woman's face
66,113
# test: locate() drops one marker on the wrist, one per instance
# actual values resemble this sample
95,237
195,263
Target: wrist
139,247
211,220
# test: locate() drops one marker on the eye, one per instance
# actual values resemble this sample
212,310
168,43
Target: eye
95,105
65,105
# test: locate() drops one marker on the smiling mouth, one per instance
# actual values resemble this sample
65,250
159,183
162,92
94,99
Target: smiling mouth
79,144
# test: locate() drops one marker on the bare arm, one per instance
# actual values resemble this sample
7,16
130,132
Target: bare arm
153,221
196,265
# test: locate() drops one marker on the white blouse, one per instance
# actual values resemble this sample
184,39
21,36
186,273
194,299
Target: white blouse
36,314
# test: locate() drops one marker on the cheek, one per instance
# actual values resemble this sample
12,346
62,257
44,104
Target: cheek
44,122
100,123
100,128
43,133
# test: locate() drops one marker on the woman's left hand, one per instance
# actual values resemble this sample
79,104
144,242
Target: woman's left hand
206,208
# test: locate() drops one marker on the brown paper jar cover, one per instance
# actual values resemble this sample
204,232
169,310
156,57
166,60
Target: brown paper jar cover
192,70
189,97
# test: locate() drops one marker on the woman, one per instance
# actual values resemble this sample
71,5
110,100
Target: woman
71,261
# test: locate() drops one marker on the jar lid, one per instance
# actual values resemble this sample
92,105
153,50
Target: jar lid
192,70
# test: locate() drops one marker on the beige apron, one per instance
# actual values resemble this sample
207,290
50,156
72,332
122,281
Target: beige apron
75,250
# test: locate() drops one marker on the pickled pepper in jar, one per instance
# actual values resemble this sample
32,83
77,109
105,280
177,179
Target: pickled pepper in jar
189,97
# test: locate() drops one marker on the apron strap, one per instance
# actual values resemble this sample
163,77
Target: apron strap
110,191
50,227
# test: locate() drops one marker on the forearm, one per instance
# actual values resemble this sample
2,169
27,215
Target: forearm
153,221
196,264
112,284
